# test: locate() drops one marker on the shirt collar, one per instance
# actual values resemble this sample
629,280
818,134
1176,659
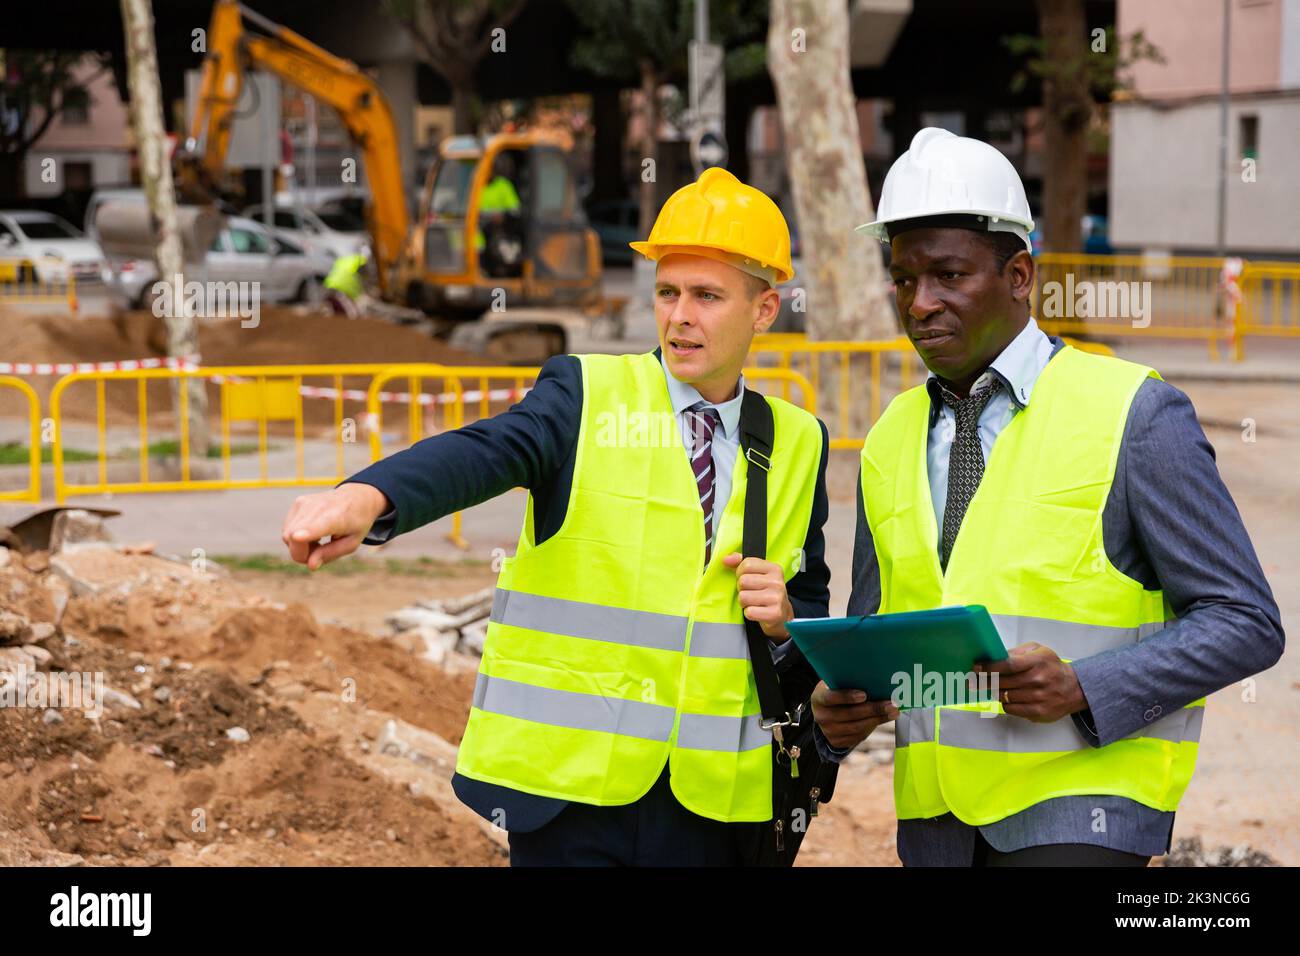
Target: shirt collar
1017,367
683,396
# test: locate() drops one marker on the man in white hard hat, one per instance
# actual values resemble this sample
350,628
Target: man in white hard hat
1075,497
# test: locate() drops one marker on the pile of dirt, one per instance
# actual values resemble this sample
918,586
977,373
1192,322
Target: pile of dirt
232,730
283,336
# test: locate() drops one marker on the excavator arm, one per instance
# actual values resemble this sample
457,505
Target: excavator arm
361,105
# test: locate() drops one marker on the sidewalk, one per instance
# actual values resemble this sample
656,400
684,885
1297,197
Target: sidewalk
1266,359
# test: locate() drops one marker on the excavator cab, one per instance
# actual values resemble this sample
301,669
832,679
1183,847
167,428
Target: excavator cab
500,224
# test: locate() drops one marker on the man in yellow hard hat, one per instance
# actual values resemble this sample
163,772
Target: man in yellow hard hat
616,717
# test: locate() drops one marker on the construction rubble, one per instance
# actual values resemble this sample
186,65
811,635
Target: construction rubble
225,729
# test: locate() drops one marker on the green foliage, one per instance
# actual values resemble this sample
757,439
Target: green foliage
619,35
1104,72
34,85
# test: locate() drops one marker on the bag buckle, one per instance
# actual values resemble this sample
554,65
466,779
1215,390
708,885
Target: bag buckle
766,464
789,719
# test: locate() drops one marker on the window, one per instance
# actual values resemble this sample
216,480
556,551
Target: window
451,188
1248,135
552,200
286,220
76,108
77,177
47,229
247,242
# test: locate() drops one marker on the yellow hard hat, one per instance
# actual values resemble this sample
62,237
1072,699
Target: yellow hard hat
721,213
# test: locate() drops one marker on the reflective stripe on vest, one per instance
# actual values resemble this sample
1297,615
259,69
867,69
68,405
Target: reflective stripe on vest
1030,550
615,715
600,622
612,648
990,730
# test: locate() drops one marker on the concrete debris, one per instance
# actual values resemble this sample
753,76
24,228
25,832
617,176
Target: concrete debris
118,700
1188,851
446,629
15,659
78,530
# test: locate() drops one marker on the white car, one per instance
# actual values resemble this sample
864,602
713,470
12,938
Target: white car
330,232
55,248
242,252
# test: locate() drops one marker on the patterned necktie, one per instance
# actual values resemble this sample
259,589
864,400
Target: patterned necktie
702,421
965,461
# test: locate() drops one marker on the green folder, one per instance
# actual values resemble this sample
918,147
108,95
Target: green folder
916,658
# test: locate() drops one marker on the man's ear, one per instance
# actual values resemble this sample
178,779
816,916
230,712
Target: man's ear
1022,269
769,307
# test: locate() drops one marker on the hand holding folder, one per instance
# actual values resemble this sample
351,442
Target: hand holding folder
912,659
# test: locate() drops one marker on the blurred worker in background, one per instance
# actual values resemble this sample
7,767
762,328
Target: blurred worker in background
344,285
500,237
615,717
1076,497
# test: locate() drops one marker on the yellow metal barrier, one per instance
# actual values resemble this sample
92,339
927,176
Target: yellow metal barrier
33,490
1152,296
20,286
455,398
1268,302
796,352
250,394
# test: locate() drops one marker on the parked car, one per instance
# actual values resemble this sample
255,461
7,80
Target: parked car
55,247
242,252
332,233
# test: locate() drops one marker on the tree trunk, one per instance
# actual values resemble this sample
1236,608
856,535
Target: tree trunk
843,272
649,145
1067,107
462,110
608,123
156,176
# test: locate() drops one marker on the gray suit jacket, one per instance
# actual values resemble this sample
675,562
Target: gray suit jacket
1169,523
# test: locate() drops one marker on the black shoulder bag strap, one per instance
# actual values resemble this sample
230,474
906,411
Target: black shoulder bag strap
757,436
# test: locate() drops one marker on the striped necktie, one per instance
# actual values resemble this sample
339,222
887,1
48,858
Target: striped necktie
702,420
965,461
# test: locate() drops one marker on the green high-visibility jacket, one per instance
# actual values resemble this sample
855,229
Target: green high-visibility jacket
345,275
1030,549
612,648
498,196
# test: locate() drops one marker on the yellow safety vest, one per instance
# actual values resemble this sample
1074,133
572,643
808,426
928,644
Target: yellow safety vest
611,648
1030,549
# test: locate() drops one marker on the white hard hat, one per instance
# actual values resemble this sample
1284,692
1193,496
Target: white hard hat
967,181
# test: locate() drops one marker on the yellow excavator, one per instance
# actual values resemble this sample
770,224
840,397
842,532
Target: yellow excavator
500,220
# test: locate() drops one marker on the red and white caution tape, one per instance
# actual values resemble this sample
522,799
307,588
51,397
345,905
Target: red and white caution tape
188,363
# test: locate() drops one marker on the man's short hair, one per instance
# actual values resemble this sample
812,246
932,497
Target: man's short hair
1004,245
754,286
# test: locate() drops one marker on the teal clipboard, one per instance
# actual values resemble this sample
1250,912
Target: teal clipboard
878,653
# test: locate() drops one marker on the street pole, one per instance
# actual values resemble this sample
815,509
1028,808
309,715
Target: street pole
1222,224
